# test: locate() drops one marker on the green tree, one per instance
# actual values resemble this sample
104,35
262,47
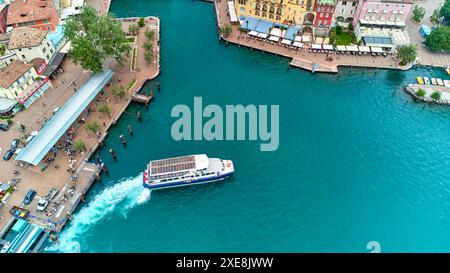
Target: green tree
150,35
148,56
104,109
147,45
141,22
119,92
78,146
133,29
435,17
418,13
439,39
407,54
9,121
94,38
338,30
436,95
93,127
420,92
226,30
2,49
445,11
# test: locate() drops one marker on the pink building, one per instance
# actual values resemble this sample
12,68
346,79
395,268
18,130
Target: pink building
3,17
382,12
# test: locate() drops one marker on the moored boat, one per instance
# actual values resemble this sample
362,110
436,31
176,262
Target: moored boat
426,80
419,80
186,170
439,81
433,81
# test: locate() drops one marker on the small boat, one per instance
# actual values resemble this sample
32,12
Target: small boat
447,83
440,82
433,81
426,80
448,70
419,80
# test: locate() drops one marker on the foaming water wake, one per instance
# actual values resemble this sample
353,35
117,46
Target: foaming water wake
123,196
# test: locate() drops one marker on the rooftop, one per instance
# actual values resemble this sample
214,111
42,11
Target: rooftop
30,10
26,37
12,72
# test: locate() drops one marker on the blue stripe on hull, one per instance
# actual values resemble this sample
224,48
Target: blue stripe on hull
194,182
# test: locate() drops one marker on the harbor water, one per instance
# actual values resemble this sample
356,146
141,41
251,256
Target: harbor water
358,160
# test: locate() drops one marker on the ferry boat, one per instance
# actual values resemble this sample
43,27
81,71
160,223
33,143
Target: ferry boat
426,80
419,80
185,171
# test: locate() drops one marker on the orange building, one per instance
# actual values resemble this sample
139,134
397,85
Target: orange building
40,14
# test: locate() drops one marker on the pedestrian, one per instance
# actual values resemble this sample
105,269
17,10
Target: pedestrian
74,89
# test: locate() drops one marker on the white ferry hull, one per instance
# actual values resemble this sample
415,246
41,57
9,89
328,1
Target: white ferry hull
182,184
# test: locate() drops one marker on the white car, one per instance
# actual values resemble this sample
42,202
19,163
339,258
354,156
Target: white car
42,204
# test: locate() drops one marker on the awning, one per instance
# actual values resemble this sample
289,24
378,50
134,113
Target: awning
253,33
264,26
54,129
352,48
376,49
364,48
328,47
232,10
291,33
249,23
298,44
6,105
286,42
298,38
275,32
274,38
341,48
65,48
316,46
54,63
305,38
263,35
319,40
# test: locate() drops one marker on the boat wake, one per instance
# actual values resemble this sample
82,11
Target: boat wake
122,196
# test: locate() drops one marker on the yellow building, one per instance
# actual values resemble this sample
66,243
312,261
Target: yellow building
287,12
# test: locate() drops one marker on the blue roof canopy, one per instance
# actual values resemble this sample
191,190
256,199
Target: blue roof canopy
54,129
264,26
249,23
377,40
290,33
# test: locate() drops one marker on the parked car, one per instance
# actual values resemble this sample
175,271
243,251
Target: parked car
15,143
29,197
4,127
42,204
8,154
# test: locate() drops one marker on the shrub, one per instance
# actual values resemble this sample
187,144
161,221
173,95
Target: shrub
338,30
420,92
436,95
141,22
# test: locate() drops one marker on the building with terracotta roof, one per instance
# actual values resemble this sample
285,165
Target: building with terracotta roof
3,17
40,14
30,43
19,81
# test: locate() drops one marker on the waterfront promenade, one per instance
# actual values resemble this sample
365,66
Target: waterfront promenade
304,59
56,175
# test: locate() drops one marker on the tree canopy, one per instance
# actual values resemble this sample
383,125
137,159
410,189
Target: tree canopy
439,39
445,11
94,38
407,54
418,13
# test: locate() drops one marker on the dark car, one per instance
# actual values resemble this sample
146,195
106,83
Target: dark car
29,197
8,154
4,127
15,143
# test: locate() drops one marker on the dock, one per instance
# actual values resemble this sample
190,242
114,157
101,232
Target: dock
142,98
312,66
412,90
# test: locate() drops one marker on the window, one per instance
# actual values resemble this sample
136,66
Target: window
23,56
51,50
354,3
45,21
344,3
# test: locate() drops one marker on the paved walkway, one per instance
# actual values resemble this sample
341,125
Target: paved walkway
56,175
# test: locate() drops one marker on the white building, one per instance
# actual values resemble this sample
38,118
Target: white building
30,43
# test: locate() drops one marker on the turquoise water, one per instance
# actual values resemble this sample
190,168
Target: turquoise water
358,161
